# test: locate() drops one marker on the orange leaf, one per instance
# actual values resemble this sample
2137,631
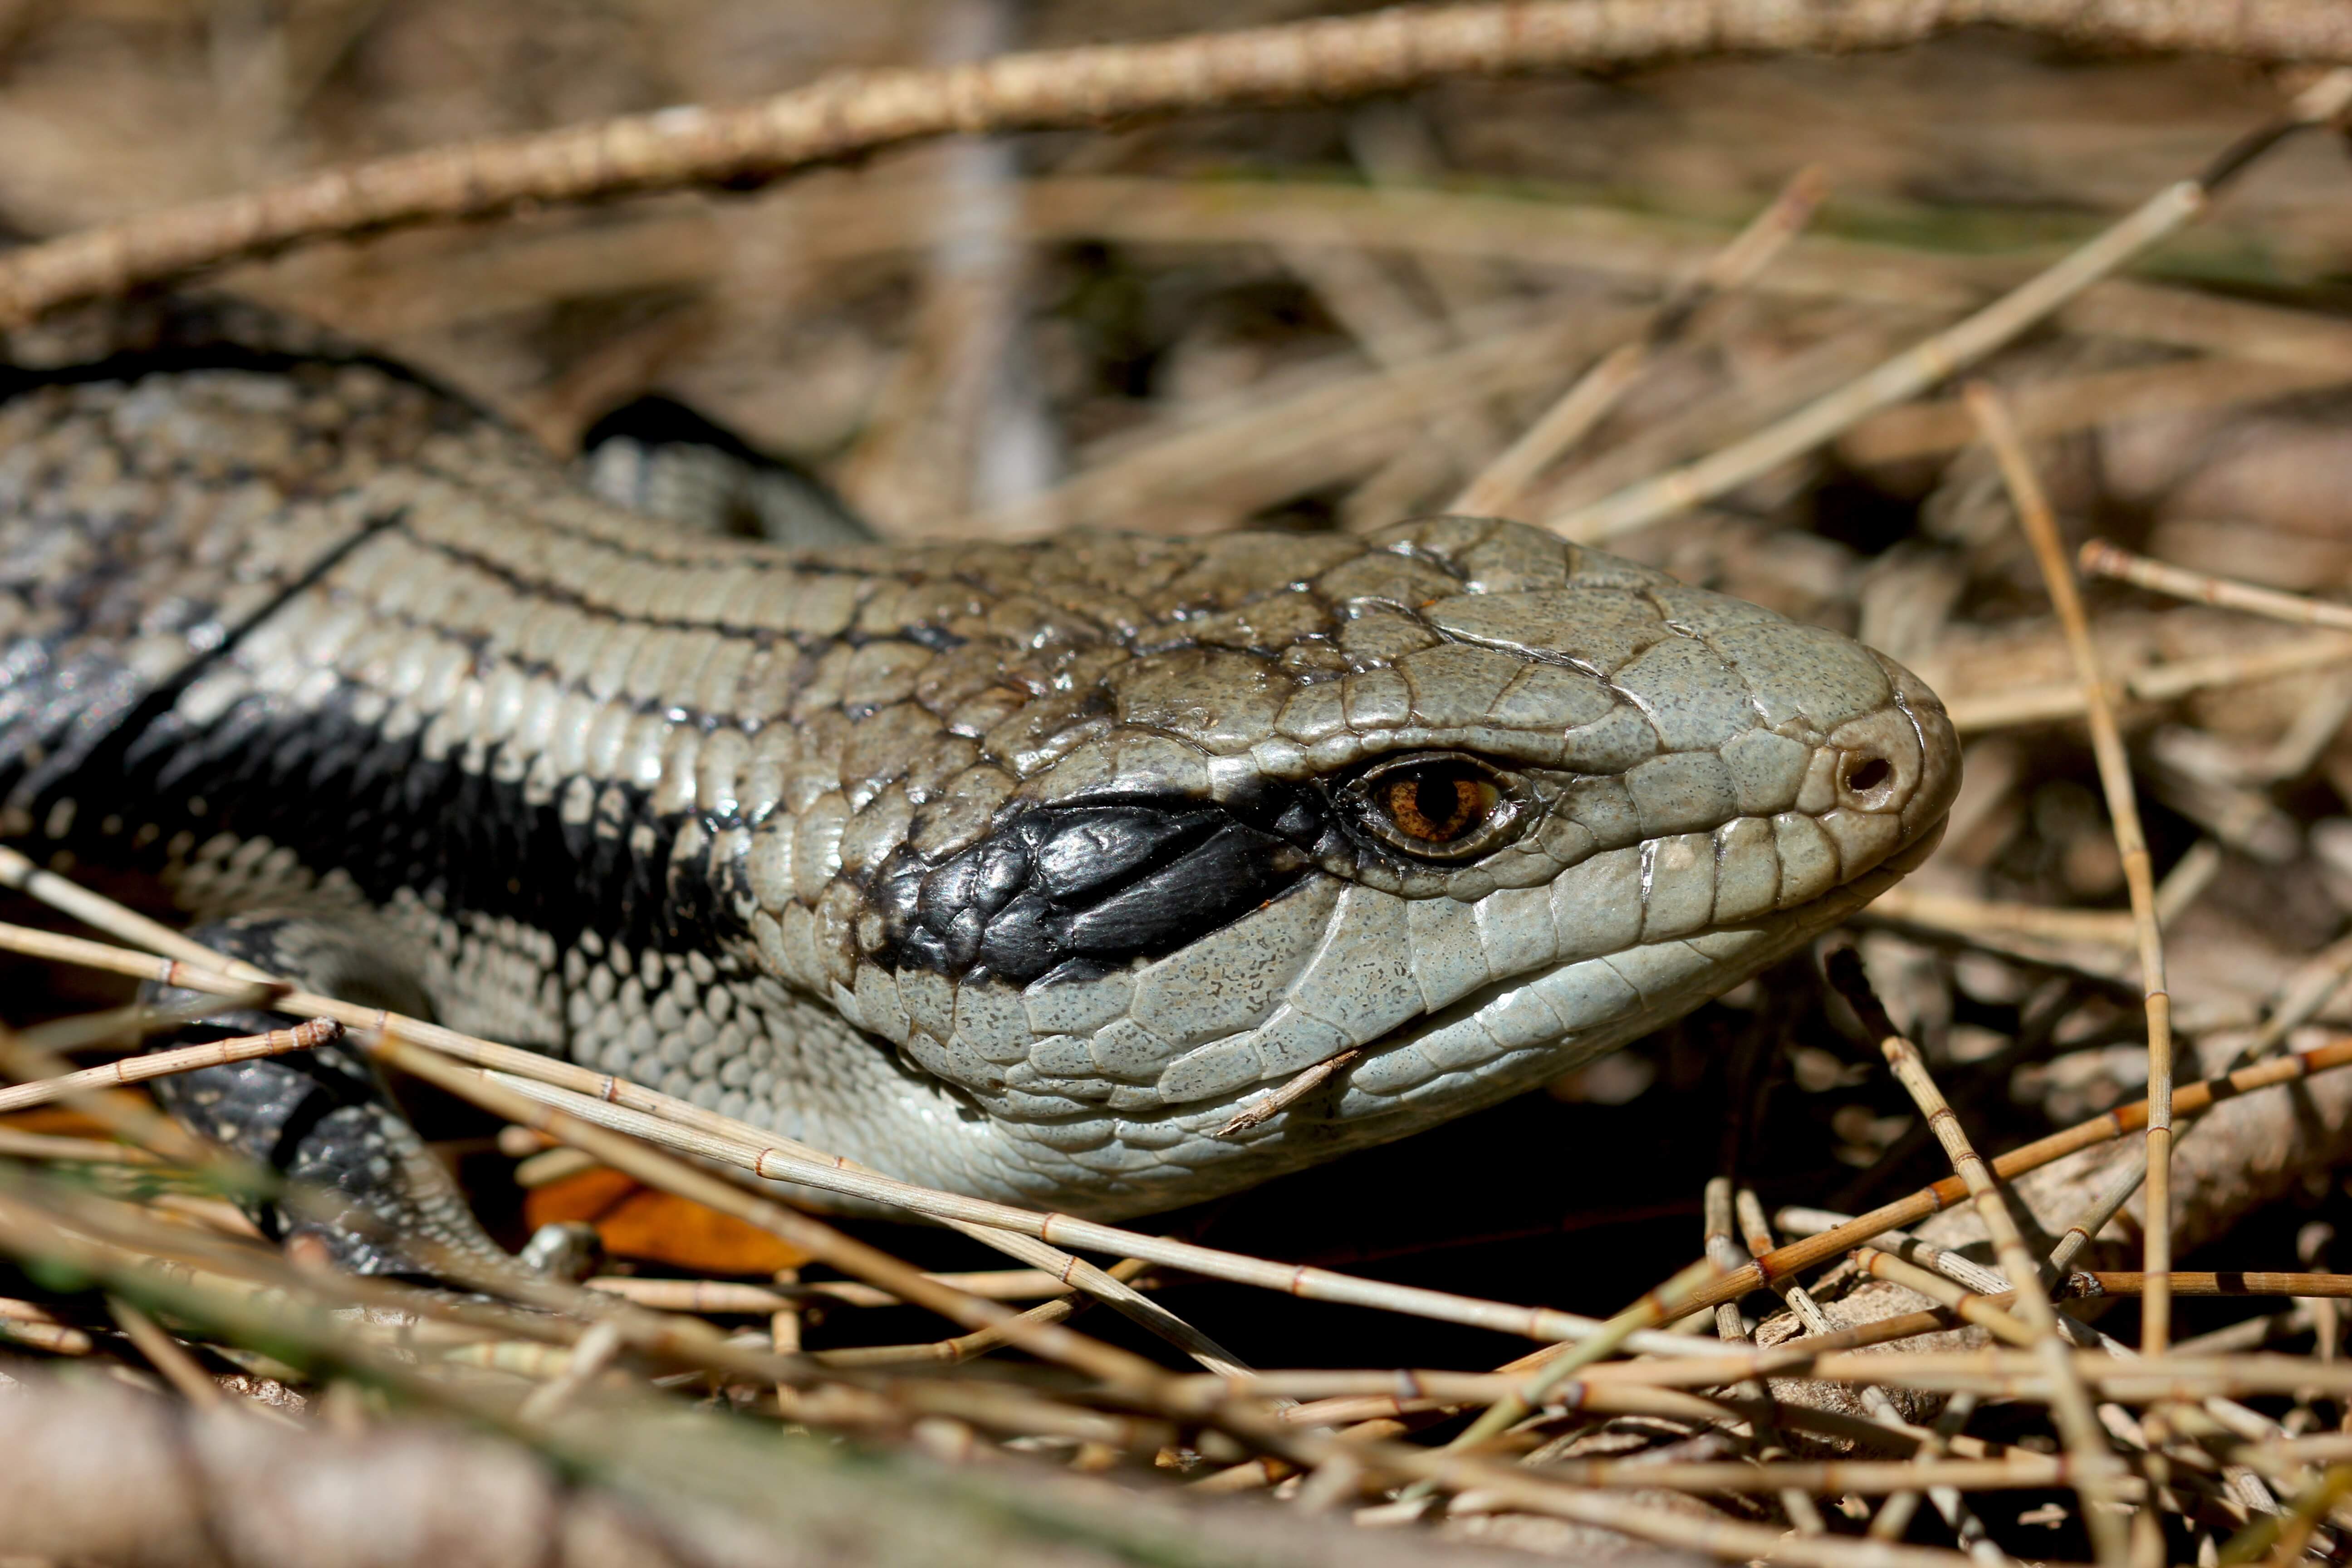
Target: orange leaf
584,1197
634,1221
59,1122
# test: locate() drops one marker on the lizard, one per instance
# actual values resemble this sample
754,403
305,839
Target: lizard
1023,869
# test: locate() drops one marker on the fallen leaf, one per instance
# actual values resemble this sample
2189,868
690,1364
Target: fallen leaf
636,1220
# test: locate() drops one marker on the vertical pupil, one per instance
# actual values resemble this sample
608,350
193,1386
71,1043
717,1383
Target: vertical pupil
1457,814
1436,809
1426,806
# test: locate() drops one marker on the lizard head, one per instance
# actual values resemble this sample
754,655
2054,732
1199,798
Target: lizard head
1462,799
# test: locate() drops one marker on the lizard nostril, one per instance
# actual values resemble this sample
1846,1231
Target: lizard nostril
1867,773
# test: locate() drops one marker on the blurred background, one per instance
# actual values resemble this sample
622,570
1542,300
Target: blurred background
953,333
1332,317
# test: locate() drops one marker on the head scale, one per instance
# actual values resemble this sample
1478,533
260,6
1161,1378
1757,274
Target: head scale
1468,800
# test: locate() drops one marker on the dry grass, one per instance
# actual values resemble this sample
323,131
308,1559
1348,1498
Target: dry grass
1326,318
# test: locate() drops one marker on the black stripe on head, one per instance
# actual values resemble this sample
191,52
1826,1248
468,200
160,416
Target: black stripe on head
1103,882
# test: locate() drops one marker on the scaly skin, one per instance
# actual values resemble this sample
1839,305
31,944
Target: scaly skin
1010,869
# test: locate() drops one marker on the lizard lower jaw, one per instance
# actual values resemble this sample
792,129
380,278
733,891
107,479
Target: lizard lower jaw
1522,1031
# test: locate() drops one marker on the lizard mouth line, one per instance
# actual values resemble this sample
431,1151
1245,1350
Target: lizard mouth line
1529,1026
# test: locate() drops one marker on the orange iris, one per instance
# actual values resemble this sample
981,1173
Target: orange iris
1437,804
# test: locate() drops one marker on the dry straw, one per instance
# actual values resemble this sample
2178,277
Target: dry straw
855,113
2096,1471
2041,525
546,1361
1497,488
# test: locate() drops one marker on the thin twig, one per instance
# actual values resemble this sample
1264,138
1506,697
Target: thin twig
711,1136
980,1342
39,1334
2099,698
1964,916
118,1025
2098,558
1914,370
1986,1312
2166,683
2309,987
1258,1112
165,1354
849,114
197,968
1498,486
2248,1334
1663,1305
2103,1205
1724,1249
302,1037
589,1355
1893,1516
610,1102
2228,1282
2097,1473
2106,1126
817,1239
18,1145
723,1296
2064,404
1844,1357
786,1324
2017,1470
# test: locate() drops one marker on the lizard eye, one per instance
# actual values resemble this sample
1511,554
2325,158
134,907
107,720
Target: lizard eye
1441,807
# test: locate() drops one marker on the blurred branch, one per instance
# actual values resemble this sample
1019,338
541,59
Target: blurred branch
1934,359
100,1474
1497,488
849,114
